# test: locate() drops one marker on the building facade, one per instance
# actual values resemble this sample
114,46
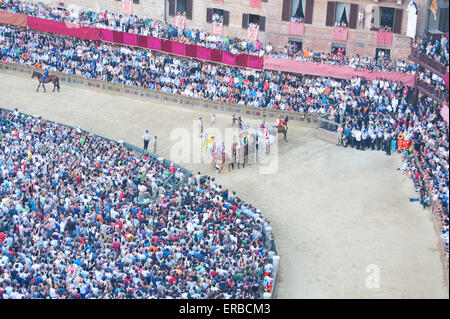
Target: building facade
361,20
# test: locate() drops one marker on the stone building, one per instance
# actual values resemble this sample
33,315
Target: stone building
361,19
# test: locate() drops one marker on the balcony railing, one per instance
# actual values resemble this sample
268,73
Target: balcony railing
432,92
428,63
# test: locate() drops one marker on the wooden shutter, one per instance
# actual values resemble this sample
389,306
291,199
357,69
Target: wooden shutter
209,14
286,13
262,23
443,20
226,17
172,8
245,18
309,7
331,11
189,9
353,20
398,17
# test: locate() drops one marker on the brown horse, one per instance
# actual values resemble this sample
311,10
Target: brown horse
50,78
283,130
224,159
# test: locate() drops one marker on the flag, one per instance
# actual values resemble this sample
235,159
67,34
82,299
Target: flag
433,8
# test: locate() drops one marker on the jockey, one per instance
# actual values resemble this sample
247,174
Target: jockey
45,75
220,149
281,122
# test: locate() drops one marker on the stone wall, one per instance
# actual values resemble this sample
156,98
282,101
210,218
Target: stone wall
317,36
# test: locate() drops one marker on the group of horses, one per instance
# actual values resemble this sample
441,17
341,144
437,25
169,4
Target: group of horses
250,147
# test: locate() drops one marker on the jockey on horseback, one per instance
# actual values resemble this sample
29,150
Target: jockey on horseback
44,76
281,122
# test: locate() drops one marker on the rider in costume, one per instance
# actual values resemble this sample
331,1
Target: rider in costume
45,75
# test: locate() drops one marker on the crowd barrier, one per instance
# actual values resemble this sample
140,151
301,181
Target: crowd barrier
199,52
145,94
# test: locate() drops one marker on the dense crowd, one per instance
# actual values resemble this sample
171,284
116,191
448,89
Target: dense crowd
338,57
374,115
437,50
69,226
420,134
160,29
193,78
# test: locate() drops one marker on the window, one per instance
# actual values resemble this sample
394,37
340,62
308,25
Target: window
218,16
298,10
387,17
253,21
180,6
296,45
338,48
382,53
342,12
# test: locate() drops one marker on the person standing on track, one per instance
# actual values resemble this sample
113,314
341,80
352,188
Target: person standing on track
146,138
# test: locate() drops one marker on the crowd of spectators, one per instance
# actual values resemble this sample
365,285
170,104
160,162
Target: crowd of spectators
69,226
193,78
160,29
338,57
438,50
374,114
134,24
420,134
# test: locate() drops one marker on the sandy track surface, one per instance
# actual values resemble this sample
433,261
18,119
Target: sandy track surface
334,211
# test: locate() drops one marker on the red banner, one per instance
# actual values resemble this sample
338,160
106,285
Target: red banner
255,4
63,28
142,41
217,29
180,22
203,53
340,33
252,34
106,35
13,19
384,38
178,48
130,39
127,6
336,71
296,28
154,43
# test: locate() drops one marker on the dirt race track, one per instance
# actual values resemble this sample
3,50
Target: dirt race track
334,211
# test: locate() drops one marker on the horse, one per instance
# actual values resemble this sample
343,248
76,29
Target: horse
50,78
225,158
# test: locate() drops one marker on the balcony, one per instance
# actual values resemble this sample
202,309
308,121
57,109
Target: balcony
427,62
430,91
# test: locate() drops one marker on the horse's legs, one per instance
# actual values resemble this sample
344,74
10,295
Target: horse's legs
44,87
54,87
37,90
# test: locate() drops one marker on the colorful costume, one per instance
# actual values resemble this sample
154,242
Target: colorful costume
45,75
